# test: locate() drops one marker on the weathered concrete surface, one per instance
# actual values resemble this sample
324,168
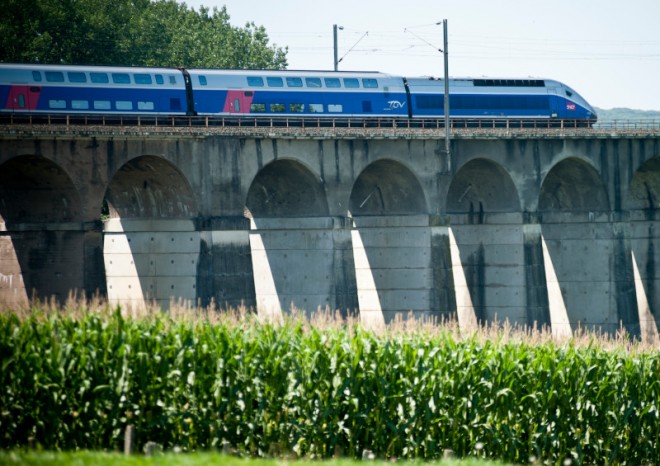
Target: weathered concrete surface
302,263
542,229
150,261
395,273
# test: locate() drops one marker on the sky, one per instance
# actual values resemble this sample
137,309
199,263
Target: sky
606,50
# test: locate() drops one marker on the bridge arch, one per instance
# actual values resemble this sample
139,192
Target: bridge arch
387,187
150,245
150,186
643,203
286,188
391,243
42,249
644,192
295,250
581,251
35,189
482,185
573,185
486,243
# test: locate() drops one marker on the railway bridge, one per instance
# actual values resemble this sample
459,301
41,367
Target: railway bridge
541,227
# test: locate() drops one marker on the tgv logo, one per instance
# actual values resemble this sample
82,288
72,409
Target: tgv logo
394,104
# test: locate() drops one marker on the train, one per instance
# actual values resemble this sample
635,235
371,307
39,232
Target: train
114,90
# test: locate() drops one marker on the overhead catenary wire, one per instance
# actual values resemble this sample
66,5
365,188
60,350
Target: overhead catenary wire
354,45
396,43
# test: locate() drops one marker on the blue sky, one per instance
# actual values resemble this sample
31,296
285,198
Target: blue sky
607,50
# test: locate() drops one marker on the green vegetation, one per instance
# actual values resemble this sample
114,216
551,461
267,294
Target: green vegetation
626,114
131,32
194,459
74,379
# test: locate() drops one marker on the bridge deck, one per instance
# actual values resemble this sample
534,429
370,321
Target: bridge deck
342,128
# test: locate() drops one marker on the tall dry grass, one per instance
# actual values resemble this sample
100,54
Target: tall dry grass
78,305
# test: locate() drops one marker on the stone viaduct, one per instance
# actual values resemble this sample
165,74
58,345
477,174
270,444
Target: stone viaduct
544,228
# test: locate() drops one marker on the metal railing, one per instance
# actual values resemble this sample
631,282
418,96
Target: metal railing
316,122
651,124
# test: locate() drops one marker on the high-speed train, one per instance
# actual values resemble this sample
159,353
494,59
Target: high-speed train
179,91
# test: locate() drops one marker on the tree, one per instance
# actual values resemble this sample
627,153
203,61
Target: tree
131,32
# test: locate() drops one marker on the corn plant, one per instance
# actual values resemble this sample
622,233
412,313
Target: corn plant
76,381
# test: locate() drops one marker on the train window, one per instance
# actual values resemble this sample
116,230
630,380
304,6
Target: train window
258,108
124,105
54,76
275,82
121,78
145,105
172,79
313,82
142,78
202,81
297,108
77,77
57,104
315,108
79,104
351,83
159,79
370,83
36,76
569,93
509,82
21,101
237,105
332,82
255,81
294,82
175,104
102,105
100,78
277,108
336,108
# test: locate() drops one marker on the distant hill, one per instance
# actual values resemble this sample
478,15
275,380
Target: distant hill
626,114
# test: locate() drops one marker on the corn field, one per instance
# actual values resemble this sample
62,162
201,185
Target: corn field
75,380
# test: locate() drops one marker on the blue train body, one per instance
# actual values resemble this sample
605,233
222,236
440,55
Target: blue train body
171,91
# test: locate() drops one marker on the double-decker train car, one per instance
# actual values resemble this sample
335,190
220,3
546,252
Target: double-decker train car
298,93
92,90
270,93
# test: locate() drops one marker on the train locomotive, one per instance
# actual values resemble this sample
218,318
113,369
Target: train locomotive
110,90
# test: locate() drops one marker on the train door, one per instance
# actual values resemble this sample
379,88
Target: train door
23,98
238,101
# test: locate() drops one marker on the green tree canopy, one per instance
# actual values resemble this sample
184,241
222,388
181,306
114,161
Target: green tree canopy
131,32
